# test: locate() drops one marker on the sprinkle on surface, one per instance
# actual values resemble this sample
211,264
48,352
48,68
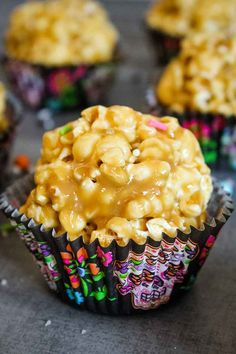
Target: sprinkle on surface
136,152
66,129
48,323
158,125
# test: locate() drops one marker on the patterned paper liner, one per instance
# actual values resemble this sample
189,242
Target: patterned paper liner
216,133
228,142
117,280
14,115
166,47
59,88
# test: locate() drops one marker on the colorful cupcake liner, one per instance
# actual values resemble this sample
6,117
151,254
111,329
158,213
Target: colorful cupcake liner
166,47
59,89
14,115
117,280
216,133
228,143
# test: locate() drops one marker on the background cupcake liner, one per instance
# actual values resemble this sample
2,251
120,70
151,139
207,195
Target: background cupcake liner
61,88
13,114
166,46
216,133
117,280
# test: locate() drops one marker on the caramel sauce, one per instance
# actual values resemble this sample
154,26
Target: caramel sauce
109,183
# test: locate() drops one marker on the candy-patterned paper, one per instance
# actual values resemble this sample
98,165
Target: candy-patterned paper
59,88
115,279
151,276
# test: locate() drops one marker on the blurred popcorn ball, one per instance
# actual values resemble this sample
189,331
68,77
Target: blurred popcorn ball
198,86
60,54
170,21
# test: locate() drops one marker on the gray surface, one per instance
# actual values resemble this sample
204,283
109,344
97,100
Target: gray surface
202,322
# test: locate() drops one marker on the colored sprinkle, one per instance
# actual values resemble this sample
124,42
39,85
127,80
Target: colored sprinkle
22,161
158,125
66,129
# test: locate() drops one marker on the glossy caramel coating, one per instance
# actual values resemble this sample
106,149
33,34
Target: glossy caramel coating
109,175
202,77
61,32
171,16
180,17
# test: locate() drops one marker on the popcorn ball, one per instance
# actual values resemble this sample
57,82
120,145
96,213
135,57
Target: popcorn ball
119,174
61,32
179,17
171,16
202,77
170,21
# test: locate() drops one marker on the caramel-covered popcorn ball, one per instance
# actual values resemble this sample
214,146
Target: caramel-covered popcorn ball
171,16
214,16
61,32
119,174
179,17
3,120
202,77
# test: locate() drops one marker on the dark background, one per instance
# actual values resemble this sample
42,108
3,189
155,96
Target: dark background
202,322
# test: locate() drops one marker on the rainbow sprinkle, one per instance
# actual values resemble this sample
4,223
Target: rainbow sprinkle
158,125
66,129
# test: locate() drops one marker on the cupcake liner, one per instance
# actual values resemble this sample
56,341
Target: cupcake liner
166,47
117,280
208,129
60,88
228,143
13,114
216,133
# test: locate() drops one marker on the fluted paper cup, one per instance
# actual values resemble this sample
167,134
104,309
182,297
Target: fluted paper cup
117,280
59,88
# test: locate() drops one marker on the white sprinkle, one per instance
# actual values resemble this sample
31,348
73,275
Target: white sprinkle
83,331
136,152
175,347
48,323
4,282
151,98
